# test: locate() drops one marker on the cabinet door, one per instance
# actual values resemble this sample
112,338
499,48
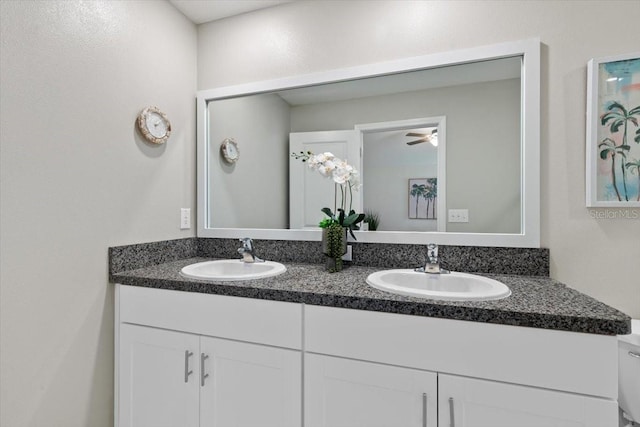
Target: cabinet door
479,403
347,393
154,390
249,385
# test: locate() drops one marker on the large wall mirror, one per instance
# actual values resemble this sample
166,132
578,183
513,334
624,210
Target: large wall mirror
447,146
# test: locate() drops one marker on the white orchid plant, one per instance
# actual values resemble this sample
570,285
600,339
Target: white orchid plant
346,179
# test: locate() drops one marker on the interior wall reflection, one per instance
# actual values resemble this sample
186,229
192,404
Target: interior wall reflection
483,146
483,158
253,192
387,189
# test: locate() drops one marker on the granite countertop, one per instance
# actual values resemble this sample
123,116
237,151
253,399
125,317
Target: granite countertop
535,301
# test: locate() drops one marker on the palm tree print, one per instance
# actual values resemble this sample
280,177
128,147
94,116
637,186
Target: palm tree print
635,164
427,197
616,117
417,191
609,147
431,196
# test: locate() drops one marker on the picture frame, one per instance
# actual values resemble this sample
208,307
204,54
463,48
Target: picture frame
423,198
613,131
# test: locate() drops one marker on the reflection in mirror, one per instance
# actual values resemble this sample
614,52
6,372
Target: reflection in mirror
253,192
382,125
406,173
480,100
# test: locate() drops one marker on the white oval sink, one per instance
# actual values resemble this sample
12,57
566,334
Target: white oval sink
228,270
450,287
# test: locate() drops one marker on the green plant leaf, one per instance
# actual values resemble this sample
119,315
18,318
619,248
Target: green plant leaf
352,219
328,212
351,232
326,223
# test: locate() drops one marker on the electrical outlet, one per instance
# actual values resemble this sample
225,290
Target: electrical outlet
185,218
458,215
348,255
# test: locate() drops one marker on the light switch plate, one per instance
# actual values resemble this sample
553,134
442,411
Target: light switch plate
458,215
185,219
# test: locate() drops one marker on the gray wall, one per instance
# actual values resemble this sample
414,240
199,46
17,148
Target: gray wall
254,192
389,163
483,146
306,37
75,179
483,161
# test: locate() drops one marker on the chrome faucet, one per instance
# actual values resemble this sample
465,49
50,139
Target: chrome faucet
247,251
432,266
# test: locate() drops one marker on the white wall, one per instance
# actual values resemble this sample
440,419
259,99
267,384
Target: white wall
75,179
596,256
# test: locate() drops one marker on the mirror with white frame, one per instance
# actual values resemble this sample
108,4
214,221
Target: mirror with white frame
465,122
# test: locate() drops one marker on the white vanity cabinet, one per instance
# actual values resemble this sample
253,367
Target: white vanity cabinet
190,360
365,368
347,393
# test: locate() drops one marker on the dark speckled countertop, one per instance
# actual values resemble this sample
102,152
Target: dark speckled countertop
536,301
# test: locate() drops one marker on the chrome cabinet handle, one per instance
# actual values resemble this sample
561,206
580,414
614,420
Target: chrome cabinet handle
633,354
187,372
203,376
452,421
424,409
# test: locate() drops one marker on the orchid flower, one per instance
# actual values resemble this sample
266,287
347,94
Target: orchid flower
346,179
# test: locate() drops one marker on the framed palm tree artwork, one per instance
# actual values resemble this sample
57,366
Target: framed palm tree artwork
423,198
613,132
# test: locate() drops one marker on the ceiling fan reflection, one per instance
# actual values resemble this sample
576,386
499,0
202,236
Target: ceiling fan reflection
424,137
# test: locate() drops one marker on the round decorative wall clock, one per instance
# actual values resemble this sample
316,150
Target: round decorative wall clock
154,125
229,150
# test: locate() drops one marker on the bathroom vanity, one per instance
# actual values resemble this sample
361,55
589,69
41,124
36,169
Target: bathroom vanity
309,348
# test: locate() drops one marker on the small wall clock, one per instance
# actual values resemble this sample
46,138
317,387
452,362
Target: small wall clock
229,150
154,125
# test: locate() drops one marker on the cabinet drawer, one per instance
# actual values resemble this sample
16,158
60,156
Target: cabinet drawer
568,361
245,319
